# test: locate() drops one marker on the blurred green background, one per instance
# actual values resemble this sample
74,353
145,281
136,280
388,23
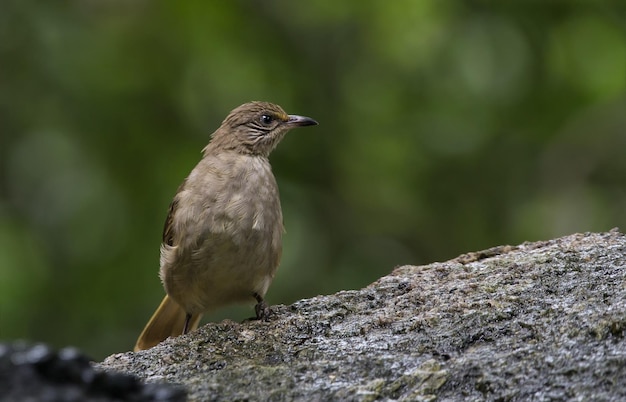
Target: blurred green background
445,127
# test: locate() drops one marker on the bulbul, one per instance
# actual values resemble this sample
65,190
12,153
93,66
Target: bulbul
222,239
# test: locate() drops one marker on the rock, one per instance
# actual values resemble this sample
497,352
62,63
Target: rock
538,321
35,372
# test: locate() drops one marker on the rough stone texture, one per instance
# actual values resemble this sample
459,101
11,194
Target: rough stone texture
539,321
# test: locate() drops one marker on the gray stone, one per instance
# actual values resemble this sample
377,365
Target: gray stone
539,321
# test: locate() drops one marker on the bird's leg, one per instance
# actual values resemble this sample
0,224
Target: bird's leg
261,309
187,320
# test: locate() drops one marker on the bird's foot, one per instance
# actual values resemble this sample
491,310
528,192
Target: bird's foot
262,310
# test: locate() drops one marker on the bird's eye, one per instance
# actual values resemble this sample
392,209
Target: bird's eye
266,119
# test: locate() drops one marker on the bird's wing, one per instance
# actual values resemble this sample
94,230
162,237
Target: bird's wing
168,229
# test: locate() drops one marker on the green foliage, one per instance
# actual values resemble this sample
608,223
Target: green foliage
445,127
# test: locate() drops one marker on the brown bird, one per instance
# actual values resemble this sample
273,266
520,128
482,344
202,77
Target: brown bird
222,240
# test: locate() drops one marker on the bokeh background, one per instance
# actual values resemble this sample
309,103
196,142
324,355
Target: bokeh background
445,127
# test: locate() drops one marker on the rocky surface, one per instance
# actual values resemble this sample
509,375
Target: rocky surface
36,372
539,321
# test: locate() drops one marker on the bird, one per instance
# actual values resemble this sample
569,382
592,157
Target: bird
222,239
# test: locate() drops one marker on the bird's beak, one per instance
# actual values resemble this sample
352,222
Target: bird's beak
300,121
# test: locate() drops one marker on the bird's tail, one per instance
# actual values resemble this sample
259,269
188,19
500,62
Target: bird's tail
168,320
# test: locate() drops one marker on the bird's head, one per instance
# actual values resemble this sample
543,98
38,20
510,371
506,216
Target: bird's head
255,128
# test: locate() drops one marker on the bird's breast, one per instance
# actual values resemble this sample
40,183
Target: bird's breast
251,202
